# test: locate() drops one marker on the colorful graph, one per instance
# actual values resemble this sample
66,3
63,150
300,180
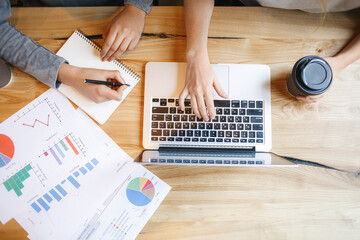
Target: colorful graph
16,181
40,122
140,191
59,150
7,150
59,192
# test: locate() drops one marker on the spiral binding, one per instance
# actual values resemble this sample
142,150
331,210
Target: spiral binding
120,64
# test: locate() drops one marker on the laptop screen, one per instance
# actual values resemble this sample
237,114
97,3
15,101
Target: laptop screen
223,157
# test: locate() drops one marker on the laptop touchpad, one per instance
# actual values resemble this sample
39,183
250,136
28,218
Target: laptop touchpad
222,73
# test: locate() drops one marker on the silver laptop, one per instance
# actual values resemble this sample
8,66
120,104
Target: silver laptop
239,135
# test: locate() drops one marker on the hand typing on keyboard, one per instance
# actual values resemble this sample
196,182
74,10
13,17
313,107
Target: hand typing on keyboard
200,79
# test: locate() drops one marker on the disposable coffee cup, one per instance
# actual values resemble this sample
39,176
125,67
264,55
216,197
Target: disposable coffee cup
311,75
5,75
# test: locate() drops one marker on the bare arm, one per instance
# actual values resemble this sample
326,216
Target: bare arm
200,78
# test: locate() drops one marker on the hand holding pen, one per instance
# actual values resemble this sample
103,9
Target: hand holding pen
113,84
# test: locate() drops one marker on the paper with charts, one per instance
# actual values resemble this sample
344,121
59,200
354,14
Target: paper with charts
60,172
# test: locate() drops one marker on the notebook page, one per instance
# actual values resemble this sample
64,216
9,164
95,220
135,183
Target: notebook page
81,52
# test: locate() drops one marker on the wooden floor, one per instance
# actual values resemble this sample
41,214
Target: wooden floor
234,203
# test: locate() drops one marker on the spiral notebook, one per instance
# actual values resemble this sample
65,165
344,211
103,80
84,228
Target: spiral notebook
80,51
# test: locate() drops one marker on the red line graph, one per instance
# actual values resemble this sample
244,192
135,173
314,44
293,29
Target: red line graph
36,120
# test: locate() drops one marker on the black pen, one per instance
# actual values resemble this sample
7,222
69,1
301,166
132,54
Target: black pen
117,84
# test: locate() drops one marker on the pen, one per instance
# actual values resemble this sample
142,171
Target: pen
105,83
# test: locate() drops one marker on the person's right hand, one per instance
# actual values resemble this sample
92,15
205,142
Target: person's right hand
75,76
199,81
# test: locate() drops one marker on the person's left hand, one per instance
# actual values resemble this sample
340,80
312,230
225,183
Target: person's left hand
335,67
123,32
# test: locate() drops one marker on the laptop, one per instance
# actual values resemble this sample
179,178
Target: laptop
239,135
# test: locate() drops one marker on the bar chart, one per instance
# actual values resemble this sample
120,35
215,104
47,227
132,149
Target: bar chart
62,148
60,191
16,181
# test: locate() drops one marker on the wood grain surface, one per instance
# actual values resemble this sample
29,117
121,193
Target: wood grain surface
233,203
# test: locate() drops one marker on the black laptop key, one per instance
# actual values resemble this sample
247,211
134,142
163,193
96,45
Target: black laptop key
243,140
203,140
219,140
158,117
234,111
182,133
220,133
235,140
184,118
259,141
210,161
222,118
219,111
155,100
171,100
170,160
235,103
199,119
258,127
154,138
244,134
251,140
173,110
201,126
226,111
230,119
217,126
178,161
162,125
248,127
160,110
202,161
251,134
212,133
195,161
174,133
240,126
154,125
236,134
209,126
224,126
241,111
259,104
189,133
187,140
195,139
193,125
251,104
162,139
163,102
197,133
192,118
205,133
259,134
186,125
211,139
188,110
218,161
216,119
177,102
246,119
227,140
222,103
171,139
256,119
168,117
244,104
166,133
156,132
179,139
232,126
179,111
176,118
170,125
187,103
178,125
254,112
228,134
238,119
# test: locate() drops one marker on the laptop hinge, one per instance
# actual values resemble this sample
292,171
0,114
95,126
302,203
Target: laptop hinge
207,148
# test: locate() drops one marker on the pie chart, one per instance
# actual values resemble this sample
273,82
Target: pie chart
140,191
7,150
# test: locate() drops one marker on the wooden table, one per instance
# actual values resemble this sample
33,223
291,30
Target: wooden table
233,203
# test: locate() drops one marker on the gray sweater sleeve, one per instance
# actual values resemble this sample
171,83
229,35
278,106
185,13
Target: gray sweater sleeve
143,4
22,52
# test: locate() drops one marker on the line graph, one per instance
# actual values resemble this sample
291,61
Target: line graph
37,120
46,105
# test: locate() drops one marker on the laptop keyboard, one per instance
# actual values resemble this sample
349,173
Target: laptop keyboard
236,121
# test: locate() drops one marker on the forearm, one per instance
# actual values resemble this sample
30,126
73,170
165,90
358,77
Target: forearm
197,21
22,52
145,5
349,54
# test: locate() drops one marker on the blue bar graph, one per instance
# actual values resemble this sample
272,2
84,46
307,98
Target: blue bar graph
40,203
89,166
61,190
94,161
36,207
83,170
43,204
55,195
73,181
76,174
59,150
47,198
